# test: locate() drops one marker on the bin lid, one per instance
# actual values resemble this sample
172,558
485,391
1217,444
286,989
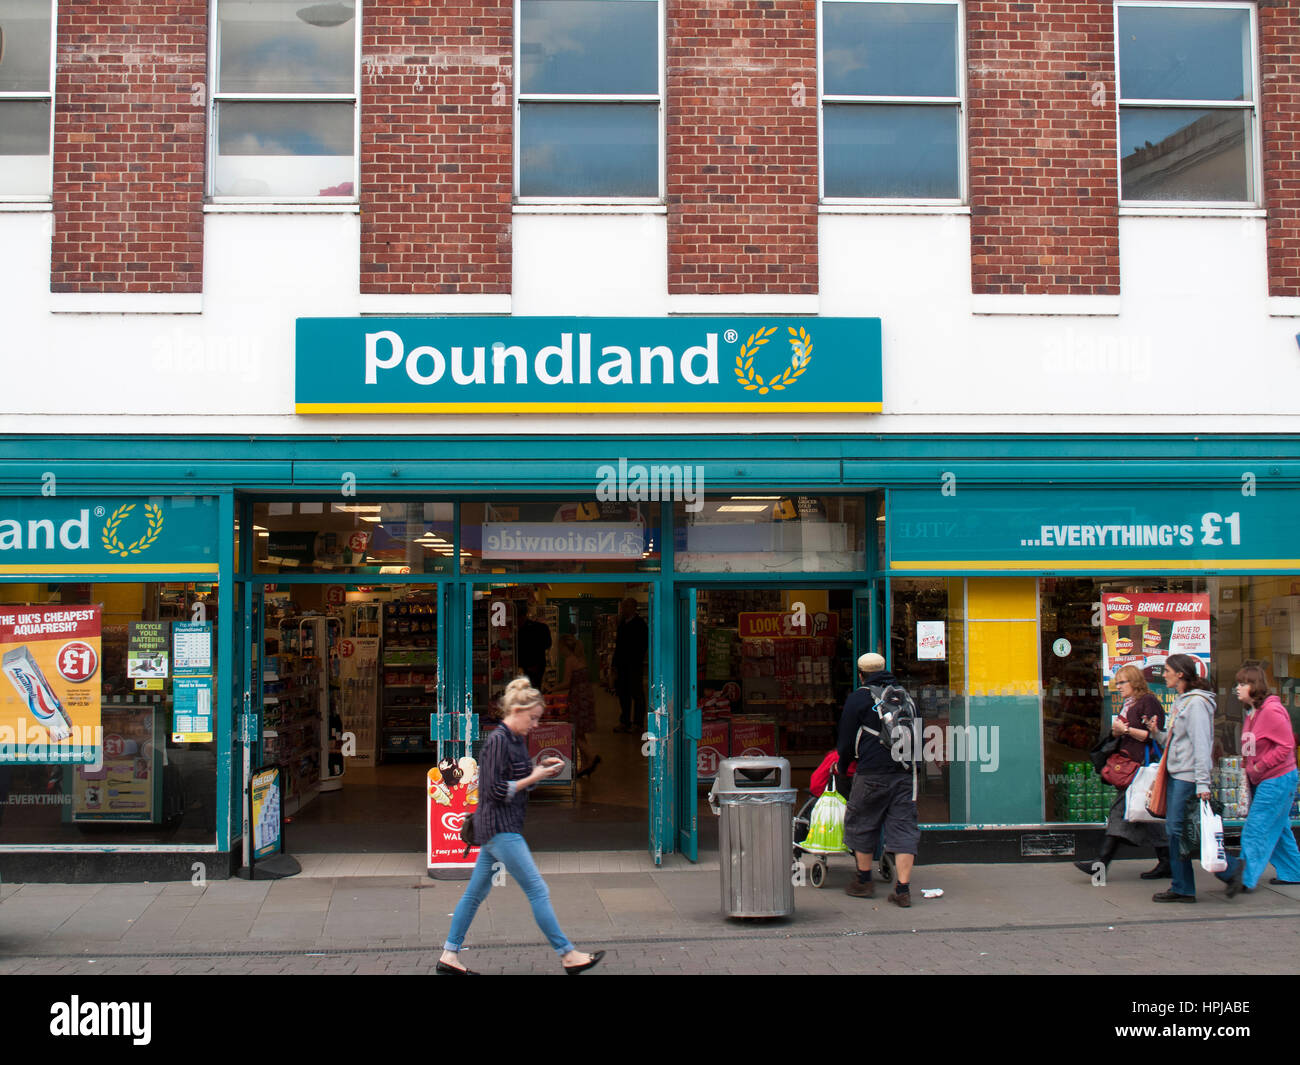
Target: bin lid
752,774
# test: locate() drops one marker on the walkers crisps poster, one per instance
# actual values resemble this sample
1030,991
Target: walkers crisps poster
578,365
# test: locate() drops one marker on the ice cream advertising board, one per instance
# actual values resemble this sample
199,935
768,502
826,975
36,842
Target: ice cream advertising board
451,795
50,696
1145,628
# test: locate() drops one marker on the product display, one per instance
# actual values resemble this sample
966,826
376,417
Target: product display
297,684
1083,796
409,675
774,666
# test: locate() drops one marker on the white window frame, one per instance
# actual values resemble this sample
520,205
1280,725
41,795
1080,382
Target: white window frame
34,95
963,165
522,98
1252,106
215,97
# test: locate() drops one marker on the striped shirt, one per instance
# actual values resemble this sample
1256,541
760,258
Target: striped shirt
502,762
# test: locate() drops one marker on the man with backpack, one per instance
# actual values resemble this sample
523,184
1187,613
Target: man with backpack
880,729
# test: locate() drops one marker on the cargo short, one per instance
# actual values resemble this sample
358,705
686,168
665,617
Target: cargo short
882,802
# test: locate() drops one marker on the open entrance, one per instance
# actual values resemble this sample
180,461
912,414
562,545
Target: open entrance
586,647
355,677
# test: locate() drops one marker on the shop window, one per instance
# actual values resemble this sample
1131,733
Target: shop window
136,679
1090,628
1187,103
26,98
772,533
284,102
767,683
353,537
928,657
891,90
590,99
559,537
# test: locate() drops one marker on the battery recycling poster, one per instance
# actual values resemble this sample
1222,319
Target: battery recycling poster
50,695
1144,628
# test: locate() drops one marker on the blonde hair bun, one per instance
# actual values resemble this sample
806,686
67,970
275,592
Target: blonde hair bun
519,693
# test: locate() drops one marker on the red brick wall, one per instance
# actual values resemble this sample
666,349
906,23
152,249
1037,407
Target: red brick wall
129,146
1279,45
1044,173
742,146
436,129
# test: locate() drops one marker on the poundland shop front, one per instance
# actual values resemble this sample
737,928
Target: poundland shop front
354,604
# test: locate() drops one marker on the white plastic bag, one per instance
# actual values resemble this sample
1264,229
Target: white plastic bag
1214,859
1135,798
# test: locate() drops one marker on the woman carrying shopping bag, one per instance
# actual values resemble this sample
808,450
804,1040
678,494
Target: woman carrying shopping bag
1269,746
1188,745
1134,751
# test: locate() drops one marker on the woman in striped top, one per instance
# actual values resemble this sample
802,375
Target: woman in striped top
506,775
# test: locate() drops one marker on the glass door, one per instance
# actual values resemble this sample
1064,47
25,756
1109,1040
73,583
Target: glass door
689,702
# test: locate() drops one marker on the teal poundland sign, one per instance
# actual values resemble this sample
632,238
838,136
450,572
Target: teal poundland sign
1092,530
69,534
577,365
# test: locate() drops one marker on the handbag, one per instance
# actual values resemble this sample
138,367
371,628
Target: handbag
468,835
1214,858
1119,770
1158,796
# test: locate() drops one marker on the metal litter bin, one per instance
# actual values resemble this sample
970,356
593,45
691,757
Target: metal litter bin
755,802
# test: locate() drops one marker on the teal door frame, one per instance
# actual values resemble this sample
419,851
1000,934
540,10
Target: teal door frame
692,721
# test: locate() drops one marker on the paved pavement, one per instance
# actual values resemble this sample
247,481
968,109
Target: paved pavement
1043,918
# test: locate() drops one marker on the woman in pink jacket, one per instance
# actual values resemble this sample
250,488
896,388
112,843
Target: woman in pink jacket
1268,744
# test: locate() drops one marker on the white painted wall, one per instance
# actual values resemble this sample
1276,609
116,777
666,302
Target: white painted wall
1192,349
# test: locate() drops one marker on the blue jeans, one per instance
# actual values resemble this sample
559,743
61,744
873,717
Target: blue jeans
510,850
1180,791
1266,836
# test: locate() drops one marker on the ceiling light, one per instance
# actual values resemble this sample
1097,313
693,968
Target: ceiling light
755,497
743,509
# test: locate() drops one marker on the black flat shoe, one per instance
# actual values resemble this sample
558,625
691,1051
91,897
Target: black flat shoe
1160,872
1292,883
1089,868
587,770
1234,887
443,969
1171,896
574,970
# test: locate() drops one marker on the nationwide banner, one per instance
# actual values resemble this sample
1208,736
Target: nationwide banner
50,696
520,365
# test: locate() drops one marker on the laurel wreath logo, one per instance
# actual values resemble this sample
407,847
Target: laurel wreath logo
115,520
751,380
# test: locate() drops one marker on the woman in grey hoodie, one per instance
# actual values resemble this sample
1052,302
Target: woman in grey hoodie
1189,741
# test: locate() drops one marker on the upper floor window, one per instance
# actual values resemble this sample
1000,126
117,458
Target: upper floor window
590,99
891,91
1187,118
284,102
26,98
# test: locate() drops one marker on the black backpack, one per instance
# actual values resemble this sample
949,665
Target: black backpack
898,720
